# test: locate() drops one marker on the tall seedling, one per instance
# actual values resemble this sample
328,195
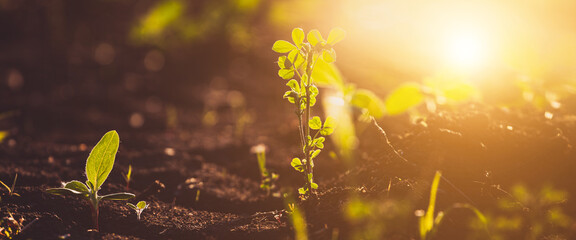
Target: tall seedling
297,67
98,166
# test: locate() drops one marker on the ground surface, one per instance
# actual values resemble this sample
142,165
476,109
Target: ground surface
50,139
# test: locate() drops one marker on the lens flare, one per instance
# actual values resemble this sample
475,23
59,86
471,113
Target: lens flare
465,50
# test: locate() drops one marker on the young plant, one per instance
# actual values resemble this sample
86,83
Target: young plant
297,67
98,166
10,227
11,189
428,224
427,220
268,179
128,176
139,208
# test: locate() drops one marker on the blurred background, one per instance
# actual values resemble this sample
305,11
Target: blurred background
500,52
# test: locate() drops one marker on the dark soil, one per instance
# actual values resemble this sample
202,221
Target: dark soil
49,143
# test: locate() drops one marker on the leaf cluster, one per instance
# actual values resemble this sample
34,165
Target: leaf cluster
297,66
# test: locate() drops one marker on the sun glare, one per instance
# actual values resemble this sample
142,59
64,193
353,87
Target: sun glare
465,50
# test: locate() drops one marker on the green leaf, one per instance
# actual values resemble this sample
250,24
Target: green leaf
64,191
404,98
141,205
300,61
286,73
314,153
315,123
313,94
329,56
297,164
282,46
117,196
314,37
76,186
298,36
292,55
327,75
304,82
101,159
314,185
89,184
293,84
282,62
302,191
336,35
319,142
314,91
291,96
132,206
427,221
312,101
128,175
310,177
367,100
328,127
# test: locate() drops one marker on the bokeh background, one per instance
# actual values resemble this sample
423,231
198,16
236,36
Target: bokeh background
510,52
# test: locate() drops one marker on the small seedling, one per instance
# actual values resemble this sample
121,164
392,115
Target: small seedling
427,219
428,223
10,227
98,166
139,208
299,62
11,189
268,179
128,176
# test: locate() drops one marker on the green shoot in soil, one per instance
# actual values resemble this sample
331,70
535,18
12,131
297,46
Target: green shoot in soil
128,176
297,66
98,166
11,189
427,221
268,179
10,227
139,208
428,224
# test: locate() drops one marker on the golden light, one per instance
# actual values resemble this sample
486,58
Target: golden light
465,50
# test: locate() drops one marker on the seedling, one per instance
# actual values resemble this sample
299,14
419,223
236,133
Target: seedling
98,166
10,227
268,179
297,66
139,208
428,224
128,176
427,220
11,189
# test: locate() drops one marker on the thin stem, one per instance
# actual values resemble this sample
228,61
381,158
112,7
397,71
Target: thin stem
308,167
95,212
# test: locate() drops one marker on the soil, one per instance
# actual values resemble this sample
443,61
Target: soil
202,182
189,144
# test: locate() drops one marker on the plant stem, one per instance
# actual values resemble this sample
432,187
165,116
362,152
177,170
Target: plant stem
308,167
95,212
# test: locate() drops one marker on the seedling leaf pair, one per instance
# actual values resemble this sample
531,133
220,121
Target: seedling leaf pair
98,166
139,208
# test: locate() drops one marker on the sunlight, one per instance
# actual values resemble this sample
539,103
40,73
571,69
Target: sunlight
465,50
